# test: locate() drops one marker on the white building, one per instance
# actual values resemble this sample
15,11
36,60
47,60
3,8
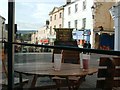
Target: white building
78,15
2,28
3,32
115,12
42,35
89,15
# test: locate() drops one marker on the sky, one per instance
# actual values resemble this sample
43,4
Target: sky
30,14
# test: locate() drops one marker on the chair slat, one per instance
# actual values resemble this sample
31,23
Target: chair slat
117,73
104,61
106,73
102,85
102,73
116,61
116,83
70,56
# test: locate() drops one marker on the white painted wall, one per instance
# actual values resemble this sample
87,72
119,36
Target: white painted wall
87,13
115,12
2,26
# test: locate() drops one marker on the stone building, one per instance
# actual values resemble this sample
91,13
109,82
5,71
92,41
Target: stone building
56,21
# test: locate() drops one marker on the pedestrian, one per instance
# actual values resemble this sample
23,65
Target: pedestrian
88,46
85,45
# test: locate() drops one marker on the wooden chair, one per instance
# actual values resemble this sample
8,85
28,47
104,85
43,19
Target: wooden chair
4,82
62,43
72,81
109,73
70,57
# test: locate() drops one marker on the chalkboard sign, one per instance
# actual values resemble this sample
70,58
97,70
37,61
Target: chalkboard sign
63,34
63,38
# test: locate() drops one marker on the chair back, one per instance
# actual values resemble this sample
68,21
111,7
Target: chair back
62,43
108,73
70,57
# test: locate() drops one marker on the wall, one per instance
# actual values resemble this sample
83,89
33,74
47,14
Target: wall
2,30
79,15
102,16
56,11
2,27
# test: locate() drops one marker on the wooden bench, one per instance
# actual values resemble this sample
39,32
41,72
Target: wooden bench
109,73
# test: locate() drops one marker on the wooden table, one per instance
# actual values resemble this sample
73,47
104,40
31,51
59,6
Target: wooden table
46,69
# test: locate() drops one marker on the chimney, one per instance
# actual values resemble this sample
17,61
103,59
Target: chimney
68,1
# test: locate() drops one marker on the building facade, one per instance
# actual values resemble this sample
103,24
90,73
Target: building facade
78,15
2,28
102,25
56,21
114,10
3,32
42,35
88,15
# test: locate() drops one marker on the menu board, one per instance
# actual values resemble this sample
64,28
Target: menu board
64,43
63,34
64,38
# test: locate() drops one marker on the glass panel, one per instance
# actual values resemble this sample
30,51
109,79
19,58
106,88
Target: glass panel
35,45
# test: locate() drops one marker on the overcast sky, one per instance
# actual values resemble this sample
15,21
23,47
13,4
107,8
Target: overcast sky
30,14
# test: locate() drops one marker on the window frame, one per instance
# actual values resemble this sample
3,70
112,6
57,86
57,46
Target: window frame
76,8
83,23
69,10
84,4
69,24
76,23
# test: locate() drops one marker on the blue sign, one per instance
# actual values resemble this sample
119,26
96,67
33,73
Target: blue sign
78,35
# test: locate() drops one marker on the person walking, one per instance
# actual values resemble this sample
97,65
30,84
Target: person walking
88,46
85,45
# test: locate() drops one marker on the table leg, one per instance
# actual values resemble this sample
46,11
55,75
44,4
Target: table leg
32,81
67,79
20,80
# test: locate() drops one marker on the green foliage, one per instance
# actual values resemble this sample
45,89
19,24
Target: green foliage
24,37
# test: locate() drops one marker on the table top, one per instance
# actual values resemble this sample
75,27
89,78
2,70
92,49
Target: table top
46,69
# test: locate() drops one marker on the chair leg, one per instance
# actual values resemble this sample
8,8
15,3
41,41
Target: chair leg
58,88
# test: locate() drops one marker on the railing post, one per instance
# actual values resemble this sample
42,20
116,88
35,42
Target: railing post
10,48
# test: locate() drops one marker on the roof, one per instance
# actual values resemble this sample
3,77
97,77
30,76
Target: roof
55,9
2,17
